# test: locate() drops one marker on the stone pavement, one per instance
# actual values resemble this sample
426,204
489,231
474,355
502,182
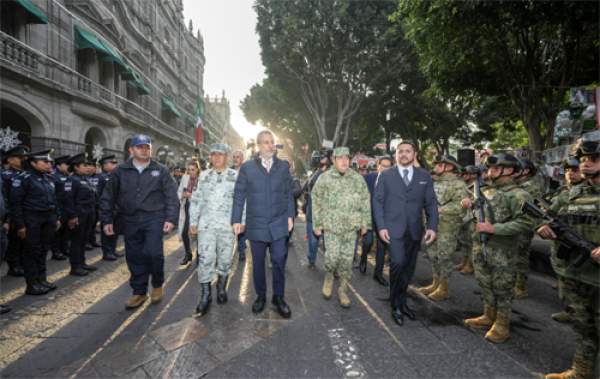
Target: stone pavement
83,330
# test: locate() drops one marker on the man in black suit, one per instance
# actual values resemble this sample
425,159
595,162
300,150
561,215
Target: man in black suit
401,194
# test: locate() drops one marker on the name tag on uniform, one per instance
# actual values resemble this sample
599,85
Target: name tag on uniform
63,178
83,182
422,182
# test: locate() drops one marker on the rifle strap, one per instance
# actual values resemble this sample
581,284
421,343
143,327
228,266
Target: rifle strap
489,206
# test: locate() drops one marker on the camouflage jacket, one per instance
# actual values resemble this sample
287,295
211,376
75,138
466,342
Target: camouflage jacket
506,201
531,186
580,208
212,201
341,204
450,191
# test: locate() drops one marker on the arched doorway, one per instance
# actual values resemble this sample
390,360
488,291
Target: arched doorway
9,118
94,142
126,153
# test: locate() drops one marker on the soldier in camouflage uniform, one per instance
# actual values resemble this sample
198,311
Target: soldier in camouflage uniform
525,179
434,177
210,215
341,205
450,190
465,234
579,287
505,222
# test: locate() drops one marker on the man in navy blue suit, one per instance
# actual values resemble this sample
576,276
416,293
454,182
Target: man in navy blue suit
401,195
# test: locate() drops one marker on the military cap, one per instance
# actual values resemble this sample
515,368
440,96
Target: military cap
218,148
41,155
108,159
341,151
585,148
447,159
17,151
78,159
141,139
63,159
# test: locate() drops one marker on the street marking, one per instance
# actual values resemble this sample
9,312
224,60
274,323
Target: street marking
346,357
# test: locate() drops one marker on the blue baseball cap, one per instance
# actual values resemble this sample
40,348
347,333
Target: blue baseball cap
141,139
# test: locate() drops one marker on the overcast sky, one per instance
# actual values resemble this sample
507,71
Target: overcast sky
232,53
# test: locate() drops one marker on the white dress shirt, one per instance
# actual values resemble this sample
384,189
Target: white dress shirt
410,169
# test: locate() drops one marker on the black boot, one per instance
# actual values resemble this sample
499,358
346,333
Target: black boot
78,271
109,257
35,288
16,271
221,292
206,299
363,264
88,247
89,267
282,307
45,283
58,256
95,244
259,304
118,254
187,259
242,256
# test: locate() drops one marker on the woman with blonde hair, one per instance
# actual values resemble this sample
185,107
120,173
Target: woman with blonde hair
186,188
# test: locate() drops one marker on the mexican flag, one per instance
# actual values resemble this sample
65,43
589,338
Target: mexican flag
199,136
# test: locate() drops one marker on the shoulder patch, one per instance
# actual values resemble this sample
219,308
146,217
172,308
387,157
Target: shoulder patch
16,183
155,173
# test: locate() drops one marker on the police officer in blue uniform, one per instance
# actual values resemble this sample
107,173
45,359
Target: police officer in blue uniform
80,205
14,250
36,216
94,178
60,248
146,194
109,243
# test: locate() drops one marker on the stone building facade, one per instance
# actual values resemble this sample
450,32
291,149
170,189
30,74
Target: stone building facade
76,74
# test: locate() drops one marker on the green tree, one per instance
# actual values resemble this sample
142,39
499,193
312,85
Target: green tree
531,52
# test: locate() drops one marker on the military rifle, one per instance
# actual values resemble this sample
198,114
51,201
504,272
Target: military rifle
570,240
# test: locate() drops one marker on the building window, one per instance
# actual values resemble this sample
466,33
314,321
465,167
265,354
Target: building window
82,62
132,94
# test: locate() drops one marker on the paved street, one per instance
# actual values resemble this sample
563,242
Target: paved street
83,330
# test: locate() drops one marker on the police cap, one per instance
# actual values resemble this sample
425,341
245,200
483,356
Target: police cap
141,139
17,151
43,155
78,159
63,159
108,159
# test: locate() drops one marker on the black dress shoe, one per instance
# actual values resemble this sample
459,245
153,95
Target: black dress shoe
282,307
78,272
221,289
109,257
186,259
95,244
118,254
35,288
89,268
16,271
88,247
205,300
379,279
47,284
397,316
259,304
406,310
4,309
58,256
363,264
242,256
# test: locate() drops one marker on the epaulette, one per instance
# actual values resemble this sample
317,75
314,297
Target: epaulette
25,174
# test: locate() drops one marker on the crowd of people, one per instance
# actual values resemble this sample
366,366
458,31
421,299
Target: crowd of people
55,204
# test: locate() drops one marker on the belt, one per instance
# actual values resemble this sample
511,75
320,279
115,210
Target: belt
92,206
30,213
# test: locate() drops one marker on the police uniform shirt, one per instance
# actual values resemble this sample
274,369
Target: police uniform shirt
78,191
59,185
32,191
7,178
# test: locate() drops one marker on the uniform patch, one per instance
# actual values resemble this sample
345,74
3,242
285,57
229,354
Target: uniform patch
16,183
155,173
63,179
83,182
583,207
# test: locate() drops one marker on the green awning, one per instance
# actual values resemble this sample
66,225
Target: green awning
86,40
33,15
112,57
142,89
190,121
167,105
128,75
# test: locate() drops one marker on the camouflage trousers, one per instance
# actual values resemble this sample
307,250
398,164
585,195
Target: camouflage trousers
340,253
581,302
465,240
497,277
442,250
215,249
523,250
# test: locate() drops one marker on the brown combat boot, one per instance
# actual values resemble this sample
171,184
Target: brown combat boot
136,301
156,295
581,369
521,289
461,265
500,330
343,293
432,287
442,292
328,285
561,317
468,269
483,322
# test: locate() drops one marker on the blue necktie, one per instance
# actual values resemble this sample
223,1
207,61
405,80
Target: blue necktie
405,177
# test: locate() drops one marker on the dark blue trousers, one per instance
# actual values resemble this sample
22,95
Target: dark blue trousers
109,243
14,250
62,236
144,251
92,235
278,251
403,256
79,236
242,242
380,255
38,239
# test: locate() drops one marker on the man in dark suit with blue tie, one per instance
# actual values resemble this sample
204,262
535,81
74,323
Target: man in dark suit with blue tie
401,195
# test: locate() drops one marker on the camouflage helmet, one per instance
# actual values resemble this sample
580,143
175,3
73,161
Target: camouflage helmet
585,148
449,159
527,164
470,170
502,160
570,163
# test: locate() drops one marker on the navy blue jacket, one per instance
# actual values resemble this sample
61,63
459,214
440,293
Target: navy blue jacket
397,207
59,186
153,190
32,191
7,178
78,191
103,179
371,179
313,181
269,199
